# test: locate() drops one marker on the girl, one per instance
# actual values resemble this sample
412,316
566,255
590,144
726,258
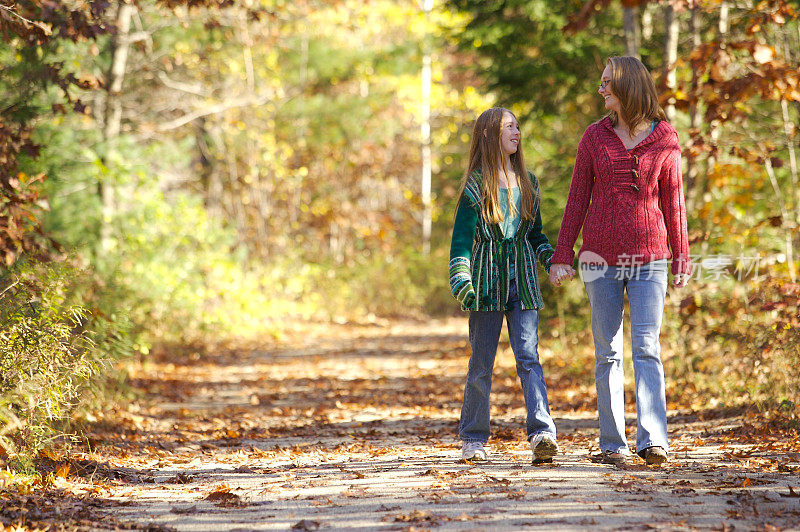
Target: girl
627,196
497,238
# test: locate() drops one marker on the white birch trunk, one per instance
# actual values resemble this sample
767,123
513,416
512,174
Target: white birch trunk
426,140
112,115
670,56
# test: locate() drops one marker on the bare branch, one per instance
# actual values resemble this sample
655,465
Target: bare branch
15,283
181,86
138,36
26,21
214,109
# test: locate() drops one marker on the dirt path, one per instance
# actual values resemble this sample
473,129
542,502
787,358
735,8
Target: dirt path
354,428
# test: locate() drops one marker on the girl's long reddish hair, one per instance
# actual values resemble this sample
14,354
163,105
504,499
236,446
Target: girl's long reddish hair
486,156
633,86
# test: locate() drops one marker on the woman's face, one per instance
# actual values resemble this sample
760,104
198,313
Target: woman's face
509,134
612,102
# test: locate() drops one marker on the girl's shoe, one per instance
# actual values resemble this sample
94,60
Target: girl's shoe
473,450
609,457
654,455
544,448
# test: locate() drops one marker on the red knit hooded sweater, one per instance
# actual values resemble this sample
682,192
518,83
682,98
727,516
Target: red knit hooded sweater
629,203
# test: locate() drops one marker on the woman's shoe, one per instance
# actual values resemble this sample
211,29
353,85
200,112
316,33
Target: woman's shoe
473,450
609,457
654,455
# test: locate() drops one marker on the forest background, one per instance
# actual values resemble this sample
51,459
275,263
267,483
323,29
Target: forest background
179,174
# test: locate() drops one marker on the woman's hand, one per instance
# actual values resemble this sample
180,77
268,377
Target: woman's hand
679,281
559,272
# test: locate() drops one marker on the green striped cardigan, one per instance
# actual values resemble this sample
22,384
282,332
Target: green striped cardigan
480,256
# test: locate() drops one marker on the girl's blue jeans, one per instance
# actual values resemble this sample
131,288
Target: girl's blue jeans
484,335
646,286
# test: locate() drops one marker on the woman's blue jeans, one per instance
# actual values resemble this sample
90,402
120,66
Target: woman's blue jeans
646,286
484,335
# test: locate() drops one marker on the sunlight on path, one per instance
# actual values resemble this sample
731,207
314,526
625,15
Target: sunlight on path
354,428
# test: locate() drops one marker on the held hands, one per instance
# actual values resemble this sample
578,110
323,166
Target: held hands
469,300
679,280
559,272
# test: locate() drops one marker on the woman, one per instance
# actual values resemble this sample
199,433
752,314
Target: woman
627,196
497,239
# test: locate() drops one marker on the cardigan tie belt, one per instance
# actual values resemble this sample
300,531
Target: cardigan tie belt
505,248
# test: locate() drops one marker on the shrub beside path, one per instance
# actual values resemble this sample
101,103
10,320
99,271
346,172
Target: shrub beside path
353,427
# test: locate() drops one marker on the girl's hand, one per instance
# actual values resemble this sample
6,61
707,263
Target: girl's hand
469,301
680,280
559,272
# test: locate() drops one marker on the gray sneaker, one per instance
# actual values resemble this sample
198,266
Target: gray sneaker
544,448
473,450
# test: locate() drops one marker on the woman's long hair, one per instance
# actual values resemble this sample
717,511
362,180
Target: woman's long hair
485,156
633,86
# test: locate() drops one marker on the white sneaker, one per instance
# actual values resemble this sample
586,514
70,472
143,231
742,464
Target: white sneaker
544,448
473,450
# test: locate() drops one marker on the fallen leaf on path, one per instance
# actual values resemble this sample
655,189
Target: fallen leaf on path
185,510
417,516
633,467
791,493
355,474
180,478
625,484
354,492
305,524
222,496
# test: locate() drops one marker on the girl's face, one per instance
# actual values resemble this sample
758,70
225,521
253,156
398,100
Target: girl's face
612,102
509,134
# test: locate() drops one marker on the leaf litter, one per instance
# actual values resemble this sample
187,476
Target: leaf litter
366,416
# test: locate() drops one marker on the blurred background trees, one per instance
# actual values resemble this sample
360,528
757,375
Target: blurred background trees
215,168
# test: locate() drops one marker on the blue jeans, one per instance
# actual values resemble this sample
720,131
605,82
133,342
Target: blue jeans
484,335
646,286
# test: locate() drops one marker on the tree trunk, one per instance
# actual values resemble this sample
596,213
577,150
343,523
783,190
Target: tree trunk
632,30
112,116
647,22
336,243
789,130
235,194
694,114
670,56
426,140
724,9
787,224
208,138
713,128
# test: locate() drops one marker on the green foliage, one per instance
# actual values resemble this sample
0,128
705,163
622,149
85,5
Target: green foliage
398,283
55,354
526,58
737,341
